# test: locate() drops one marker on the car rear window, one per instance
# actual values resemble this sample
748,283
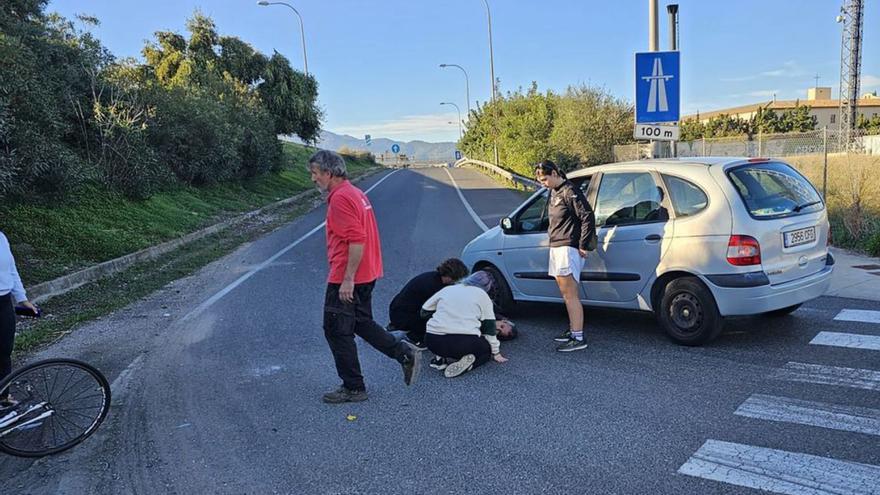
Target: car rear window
773,190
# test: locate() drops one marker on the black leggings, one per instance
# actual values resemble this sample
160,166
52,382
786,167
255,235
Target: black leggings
456,346
7,334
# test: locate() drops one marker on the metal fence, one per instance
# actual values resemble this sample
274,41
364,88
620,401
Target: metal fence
772,145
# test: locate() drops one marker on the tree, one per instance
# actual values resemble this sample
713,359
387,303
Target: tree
291,98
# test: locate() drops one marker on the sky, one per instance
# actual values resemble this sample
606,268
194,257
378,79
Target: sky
377,62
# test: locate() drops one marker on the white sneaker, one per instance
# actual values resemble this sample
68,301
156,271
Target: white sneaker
466,363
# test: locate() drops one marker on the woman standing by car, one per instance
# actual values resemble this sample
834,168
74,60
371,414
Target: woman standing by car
11,293
572,233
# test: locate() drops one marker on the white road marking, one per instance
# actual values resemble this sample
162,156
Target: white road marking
851,340
828,375
467,205
860,315
804,412
780,471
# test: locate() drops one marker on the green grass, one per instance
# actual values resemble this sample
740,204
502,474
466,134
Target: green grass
64,313
95,225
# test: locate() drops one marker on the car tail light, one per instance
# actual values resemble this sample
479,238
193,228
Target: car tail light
743,250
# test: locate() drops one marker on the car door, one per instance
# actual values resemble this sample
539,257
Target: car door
633,229
527,247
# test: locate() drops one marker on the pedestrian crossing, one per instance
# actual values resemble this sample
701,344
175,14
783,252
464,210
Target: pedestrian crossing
802,473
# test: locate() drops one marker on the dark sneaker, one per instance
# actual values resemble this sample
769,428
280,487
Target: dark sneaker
418,344
463,365
563,337
572,345
438,363
342,395
411,362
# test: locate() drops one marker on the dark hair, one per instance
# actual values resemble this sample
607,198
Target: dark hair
453,268
547,167
513,333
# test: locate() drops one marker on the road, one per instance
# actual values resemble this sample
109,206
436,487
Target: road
218,377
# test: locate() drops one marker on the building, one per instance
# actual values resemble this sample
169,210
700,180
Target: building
818,99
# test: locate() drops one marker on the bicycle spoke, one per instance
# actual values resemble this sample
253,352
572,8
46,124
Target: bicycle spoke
77,426
90,418
71,387
82,398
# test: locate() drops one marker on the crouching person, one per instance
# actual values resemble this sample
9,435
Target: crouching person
462,325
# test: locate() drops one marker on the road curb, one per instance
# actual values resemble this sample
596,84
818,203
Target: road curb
67,283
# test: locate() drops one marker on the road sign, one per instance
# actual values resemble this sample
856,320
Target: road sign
368,139
457,155
395,148
658,87
657,132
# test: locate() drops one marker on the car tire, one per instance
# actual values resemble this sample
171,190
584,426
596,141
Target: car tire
688,312
778,313
502,296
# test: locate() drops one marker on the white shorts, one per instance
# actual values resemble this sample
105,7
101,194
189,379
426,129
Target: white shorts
564,261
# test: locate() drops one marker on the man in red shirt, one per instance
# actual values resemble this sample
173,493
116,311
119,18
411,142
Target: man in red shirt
355,258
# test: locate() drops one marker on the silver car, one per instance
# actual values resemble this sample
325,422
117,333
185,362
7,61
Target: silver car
691,240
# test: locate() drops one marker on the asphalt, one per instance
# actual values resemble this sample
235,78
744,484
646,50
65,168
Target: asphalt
226,399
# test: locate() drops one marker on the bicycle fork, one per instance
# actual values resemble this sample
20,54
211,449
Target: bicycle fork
8,422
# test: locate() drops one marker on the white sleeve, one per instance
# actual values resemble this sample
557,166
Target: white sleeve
431,303
494,343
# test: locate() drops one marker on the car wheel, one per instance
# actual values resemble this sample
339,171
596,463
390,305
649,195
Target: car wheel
688,312
502,297
782,311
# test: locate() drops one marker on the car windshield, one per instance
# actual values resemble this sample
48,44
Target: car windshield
773,189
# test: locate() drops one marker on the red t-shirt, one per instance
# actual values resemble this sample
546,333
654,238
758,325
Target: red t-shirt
350,220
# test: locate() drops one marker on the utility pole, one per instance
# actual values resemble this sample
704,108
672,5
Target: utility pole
672,10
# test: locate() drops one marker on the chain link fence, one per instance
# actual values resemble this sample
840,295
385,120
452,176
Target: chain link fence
817,142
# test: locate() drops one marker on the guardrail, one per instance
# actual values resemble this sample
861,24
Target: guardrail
518,180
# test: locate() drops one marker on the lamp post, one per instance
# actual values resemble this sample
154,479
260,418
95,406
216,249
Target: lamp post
459,116
467,85
492,75
302,29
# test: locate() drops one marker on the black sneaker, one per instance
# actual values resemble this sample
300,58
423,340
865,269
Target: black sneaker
342,395
418,344
463,365
438,363
563,337
572,345
410,363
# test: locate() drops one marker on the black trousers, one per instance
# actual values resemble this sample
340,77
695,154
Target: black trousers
456,346
342,321
7,334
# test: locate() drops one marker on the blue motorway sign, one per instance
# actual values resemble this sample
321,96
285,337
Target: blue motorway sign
658,87
457,155
395,148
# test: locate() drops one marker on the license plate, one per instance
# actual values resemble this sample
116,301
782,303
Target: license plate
801,236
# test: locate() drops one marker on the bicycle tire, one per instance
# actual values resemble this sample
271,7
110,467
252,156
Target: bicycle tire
26,382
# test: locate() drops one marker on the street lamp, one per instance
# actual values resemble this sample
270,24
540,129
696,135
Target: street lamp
459,116
492,75
467,85
302,29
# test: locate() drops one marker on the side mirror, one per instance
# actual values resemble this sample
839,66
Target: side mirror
506,224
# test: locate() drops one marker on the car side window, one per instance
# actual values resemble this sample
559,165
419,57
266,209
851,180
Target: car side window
534,218
626,198
687,198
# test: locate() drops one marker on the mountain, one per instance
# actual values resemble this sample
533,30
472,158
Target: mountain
415,150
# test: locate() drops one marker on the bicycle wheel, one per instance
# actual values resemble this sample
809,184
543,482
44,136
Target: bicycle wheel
60,403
